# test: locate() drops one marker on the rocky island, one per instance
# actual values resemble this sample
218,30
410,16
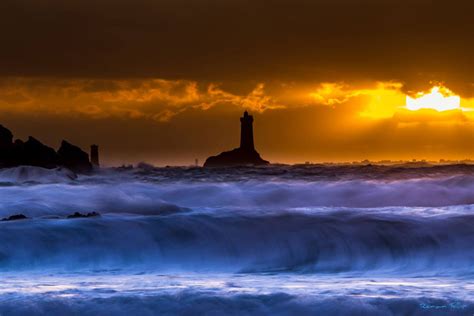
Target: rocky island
243,155
34,153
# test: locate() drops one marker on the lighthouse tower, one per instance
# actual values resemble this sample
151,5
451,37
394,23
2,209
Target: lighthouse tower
242,156
95,155
246,132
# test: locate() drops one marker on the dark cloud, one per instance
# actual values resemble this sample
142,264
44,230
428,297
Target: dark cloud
413,41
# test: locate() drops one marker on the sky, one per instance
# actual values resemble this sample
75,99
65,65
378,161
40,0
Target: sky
165,81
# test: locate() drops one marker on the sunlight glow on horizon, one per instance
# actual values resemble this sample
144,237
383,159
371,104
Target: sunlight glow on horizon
385,100
439,99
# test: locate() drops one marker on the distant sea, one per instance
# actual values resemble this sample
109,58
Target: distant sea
277,240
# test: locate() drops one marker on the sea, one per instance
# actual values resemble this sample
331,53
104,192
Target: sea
274,240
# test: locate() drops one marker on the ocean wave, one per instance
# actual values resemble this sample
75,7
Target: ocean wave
453,190
198,303
62,199
112,193
301,243
310,172
34,175
161,219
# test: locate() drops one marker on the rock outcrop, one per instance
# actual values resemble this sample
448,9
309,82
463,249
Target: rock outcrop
235,157
80,215
73,157
34,153
15,217
243,155
6,137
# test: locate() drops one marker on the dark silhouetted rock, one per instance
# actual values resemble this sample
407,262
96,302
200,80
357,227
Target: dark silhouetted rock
245,154
95,155
235,157
6,147
34,153
80,215
74,158
6,137
18,142
14,218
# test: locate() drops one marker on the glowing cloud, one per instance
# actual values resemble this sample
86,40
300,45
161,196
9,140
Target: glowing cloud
439,99
156,99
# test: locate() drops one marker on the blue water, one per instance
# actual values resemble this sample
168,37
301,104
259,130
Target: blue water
280,240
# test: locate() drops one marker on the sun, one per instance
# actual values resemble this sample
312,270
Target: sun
439,99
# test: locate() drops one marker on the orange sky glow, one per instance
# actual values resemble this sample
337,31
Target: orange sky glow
166,81
328,121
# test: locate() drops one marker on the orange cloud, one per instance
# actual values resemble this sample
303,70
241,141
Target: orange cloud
156,99
160,100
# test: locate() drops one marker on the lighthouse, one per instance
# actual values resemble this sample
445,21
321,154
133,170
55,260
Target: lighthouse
245,155
95,155
246,132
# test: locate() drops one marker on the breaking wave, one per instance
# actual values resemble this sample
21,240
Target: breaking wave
38,192
407,220
32,175
278,240
304,243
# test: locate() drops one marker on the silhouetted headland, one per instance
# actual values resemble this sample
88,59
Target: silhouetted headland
243,155
34,153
